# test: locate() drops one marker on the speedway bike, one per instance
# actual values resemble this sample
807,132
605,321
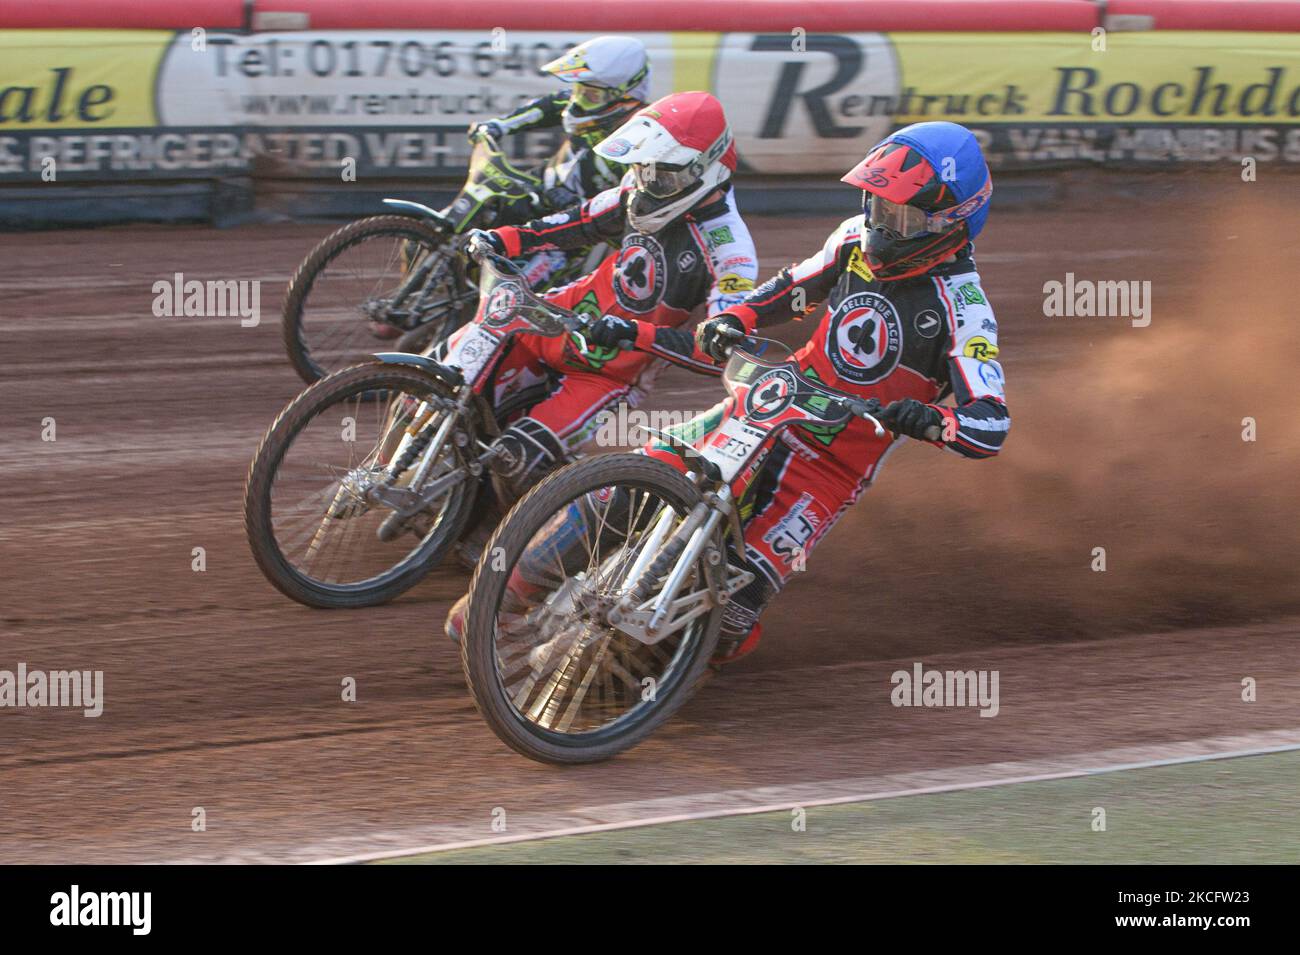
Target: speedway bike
596,616
370,475
403,276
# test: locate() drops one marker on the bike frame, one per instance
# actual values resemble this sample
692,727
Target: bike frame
507,308
492,181
766,397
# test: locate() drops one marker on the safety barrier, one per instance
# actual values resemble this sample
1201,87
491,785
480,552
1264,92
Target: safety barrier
322,90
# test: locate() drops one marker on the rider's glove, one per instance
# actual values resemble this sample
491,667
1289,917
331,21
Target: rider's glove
560,197
491,128
482,241
611,331
909,417
712,338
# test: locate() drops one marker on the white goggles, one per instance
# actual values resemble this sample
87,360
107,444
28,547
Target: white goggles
660,181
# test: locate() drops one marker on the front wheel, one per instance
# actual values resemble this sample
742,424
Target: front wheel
550,675
366,284
359,487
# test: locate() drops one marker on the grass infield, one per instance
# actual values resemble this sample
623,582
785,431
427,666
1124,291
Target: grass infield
1244,810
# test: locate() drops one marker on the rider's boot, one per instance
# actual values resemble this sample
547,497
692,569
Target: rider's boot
470,547
741,631
516,599
731,648
383,331
527,452
558,549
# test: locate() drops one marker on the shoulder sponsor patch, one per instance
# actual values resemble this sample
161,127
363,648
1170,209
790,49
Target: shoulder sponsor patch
858,265
980,348
720,236
969,293
730,283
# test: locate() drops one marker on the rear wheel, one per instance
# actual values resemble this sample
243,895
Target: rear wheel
351,296
553,680
324,511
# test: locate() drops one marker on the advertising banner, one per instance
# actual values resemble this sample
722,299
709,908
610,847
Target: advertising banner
121,105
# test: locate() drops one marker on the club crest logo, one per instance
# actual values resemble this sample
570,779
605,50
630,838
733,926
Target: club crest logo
640,274
865,338
501,304
770,394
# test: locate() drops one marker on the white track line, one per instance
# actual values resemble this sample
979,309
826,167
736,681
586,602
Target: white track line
784,798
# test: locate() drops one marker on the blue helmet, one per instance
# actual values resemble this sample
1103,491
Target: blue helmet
926,192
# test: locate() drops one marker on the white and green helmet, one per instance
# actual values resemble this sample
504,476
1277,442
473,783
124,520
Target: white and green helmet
611,79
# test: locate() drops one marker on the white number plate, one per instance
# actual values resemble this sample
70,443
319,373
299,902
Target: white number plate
731,445
473,350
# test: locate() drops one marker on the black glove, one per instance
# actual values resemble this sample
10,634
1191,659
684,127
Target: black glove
611,331
481,241
714,340
909,417
560,197
489,128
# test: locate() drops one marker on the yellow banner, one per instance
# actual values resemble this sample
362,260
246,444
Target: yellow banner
86,79
1078,78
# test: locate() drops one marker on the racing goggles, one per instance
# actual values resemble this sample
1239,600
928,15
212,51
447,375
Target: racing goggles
908,222
661,180
590,96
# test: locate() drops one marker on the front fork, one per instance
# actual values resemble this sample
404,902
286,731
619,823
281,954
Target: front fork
676,555
416,443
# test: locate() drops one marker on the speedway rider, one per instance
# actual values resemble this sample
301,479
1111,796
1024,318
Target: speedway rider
681,245
608,80
907,322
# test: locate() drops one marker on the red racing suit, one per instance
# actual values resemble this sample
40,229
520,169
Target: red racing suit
923,338
705,258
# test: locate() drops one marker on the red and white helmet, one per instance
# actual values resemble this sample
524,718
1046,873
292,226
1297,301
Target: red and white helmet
680,148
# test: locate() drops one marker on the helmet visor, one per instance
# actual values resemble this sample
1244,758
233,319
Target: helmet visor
908,222
591,96
903,221
662,181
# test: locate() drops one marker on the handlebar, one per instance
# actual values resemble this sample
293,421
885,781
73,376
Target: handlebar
486,138
868,408
580,323
864,408
478,254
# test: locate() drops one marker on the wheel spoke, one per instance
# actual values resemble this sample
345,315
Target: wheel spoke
325,523
358,285
560,667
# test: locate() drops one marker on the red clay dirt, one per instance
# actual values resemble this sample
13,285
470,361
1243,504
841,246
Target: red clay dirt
222,694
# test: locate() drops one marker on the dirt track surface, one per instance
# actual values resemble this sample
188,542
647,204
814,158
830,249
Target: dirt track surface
222,694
